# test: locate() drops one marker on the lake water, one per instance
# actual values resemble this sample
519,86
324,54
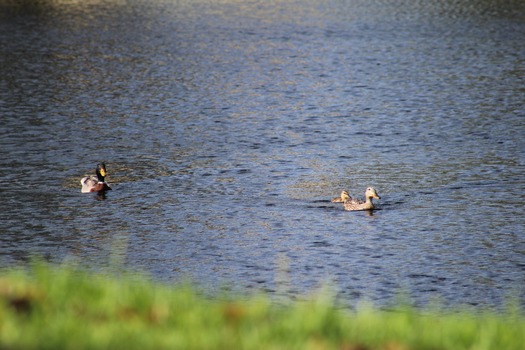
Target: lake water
227,126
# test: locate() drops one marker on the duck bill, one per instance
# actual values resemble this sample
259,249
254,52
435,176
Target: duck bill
103,172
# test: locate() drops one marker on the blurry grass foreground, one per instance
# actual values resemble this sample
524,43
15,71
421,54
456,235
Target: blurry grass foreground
65,307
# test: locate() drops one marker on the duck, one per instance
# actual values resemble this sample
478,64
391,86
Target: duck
356,204
344,197
95,183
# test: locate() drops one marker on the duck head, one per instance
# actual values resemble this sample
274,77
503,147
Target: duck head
371,193
345,196
101,172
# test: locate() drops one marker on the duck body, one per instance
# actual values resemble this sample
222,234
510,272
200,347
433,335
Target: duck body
91,184
367,204
95,183
344,197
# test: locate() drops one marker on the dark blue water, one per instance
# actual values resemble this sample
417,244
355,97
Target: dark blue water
227,126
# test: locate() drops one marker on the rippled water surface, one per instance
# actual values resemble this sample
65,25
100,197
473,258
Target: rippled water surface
227,126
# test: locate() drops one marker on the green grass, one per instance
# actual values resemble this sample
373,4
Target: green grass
48,307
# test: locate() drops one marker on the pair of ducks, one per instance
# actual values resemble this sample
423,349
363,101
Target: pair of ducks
350,203
95,183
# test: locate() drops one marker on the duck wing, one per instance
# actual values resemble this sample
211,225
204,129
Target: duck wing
88,183
355,201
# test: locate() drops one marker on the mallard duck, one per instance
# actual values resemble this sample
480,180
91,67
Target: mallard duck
344,197
356,204
95,183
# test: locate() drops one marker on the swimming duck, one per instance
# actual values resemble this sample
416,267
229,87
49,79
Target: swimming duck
95,183
356,204
344,197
